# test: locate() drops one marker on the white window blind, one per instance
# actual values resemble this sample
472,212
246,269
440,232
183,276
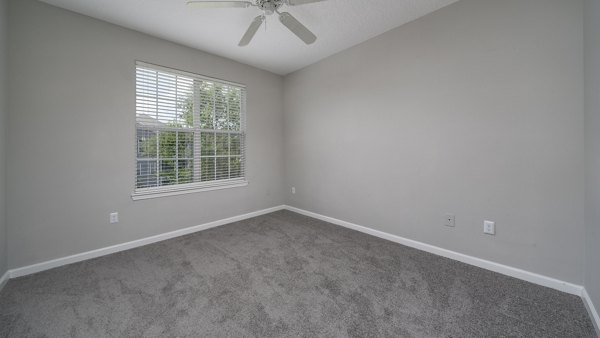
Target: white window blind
190,132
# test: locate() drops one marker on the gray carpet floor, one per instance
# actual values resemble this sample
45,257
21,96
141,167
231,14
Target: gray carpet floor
282,275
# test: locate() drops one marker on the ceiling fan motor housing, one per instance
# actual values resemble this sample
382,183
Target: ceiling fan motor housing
269,6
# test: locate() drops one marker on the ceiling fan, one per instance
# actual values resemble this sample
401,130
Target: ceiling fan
268,7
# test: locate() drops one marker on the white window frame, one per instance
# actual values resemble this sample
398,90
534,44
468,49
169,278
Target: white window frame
187,188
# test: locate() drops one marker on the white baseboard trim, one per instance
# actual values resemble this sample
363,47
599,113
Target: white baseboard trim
589,305
30,269
482,263
485,264
4,279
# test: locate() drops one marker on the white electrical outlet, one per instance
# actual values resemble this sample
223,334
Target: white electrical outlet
114,217
293,190
449,220
489,227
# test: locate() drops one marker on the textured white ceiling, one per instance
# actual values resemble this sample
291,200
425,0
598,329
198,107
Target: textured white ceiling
339,24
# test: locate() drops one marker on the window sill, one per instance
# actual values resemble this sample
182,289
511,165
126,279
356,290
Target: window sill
174,191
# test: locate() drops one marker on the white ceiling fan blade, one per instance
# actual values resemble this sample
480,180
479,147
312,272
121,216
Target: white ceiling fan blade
302,2
254,26
297,28
219,4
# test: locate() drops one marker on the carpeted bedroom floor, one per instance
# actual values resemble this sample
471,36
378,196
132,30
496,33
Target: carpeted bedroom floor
283,275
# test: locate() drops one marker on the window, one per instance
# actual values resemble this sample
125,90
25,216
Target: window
190,132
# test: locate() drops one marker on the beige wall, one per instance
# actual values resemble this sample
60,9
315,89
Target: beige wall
71,136
592,147
476,110
3,113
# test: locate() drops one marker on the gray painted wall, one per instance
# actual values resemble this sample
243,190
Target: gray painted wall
3,113
71,132
592,148
476,110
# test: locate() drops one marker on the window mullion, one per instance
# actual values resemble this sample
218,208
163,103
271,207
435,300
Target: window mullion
228,124
215,154
214,116
197,106
157,139
157,158
176,133
176,157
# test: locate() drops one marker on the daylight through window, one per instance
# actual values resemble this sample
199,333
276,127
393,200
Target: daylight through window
190,131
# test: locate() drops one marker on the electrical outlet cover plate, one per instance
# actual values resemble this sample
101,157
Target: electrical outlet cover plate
114,217
489,227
